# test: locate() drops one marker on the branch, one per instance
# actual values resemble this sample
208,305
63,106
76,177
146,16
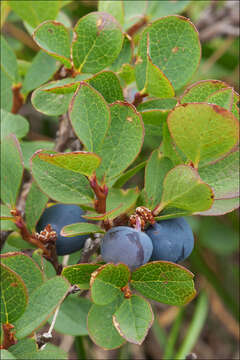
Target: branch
136,27
101,193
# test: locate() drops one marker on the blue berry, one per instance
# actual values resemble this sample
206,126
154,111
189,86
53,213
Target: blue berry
123,244
172,240
58,216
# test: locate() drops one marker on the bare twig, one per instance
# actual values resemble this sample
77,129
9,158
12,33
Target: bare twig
90,247
216,21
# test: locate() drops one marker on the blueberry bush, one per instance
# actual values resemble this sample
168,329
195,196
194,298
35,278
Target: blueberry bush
95,219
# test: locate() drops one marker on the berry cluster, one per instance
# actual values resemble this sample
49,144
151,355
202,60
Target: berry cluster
169,240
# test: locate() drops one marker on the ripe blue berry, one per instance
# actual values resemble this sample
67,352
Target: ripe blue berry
172,240
123,244
58,216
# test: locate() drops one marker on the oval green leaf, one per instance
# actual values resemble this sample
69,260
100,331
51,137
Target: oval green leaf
54,38
60,184
14,295
42,303
35,205
25,267
164,282
183,189
133,319
204,132
174,48
106,283
80,229
11,169
80,274
122,142
81,162
97,42
100,325
90,116
13,124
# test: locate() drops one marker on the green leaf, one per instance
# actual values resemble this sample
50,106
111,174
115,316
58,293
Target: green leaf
223,98
201,90
156,83
157,9
50,103
11,169
14,296
6,355
15,242
90,116
183,189
35,204
30,147
6,91
121,201
125,56
169,149
127,73
8,61
107,281
41,305
13,124
34,78
78,161
133,319
97,217
27,349
221,207
67,85
204,132
25,267
222,176
123,141
122,179
35,12
100,325
72,316
157,104
114,8
97,43
155,171
174,48
45,266
165,282
108,84
80,274
61,184
80,229
6,222
54,38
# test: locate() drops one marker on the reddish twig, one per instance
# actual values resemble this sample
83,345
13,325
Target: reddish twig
8,336
63,73
136,27
101,193
138,98
126,291
46,240
18,99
